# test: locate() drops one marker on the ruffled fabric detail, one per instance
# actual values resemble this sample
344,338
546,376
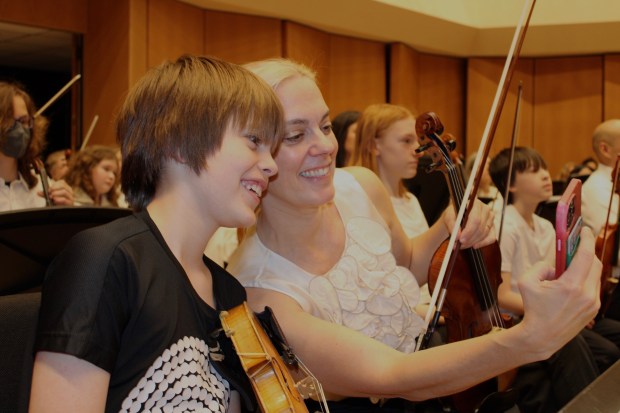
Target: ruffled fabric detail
367,291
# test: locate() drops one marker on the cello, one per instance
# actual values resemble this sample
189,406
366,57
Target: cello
606,248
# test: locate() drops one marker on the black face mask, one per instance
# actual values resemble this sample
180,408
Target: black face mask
15,142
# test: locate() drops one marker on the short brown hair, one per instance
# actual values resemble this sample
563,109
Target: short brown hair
525,158
180,110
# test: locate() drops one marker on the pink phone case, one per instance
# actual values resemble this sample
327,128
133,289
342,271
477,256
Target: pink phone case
567,226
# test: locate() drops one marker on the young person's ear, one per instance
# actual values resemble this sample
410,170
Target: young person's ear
375,148
512,189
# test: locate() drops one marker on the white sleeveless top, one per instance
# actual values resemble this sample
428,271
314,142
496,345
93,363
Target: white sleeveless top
365,290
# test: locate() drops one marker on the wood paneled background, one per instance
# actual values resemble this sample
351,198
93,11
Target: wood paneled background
563,98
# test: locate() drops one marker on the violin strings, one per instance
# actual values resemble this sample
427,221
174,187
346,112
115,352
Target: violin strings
317,385
488,297
481,273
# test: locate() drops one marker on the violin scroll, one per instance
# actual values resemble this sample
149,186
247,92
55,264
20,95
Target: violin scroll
428,123
429,128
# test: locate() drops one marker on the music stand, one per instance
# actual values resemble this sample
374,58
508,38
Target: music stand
31,238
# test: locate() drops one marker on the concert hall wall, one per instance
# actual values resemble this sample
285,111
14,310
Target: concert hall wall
563,97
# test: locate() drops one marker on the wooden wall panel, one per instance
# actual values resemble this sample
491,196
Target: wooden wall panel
567,107
441,88
430,83
138,40
357,75
483,76
350,71
241,38
68,15
310,47
106,56
404,76
611,87
174,28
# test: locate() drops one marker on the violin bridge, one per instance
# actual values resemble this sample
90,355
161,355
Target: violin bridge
307,388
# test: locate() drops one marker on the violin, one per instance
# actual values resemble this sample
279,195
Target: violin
470,307
39,168
273,385
606,248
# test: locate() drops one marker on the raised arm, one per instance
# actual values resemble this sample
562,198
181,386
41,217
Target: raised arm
417,253
351,364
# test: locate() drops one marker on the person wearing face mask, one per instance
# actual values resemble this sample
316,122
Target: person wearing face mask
21,142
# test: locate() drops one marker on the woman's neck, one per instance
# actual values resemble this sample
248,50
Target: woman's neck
277,222
312,238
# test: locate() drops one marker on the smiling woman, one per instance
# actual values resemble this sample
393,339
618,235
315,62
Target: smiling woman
330,257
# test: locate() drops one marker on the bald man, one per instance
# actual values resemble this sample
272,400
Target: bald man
597,188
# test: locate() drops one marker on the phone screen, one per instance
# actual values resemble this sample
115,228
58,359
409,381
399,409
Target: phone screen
572,242
568,226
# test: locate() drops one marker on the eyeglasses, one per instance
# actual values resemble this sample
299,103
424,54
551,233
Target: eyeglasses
26,121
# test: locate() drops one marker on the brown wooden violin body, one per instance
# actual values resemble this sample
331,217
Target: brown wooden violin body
40,170
464,295
271,380
465,318
606,248
470,306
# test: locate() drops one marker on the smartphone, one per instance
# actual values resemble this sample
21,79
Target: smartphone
568,224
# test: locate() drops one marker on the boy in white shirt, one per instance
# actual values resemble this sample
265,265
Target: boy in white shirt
528,238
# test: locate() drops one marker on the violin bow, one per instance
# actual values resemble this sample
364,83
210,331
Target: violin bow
39,168
90,131
611,198
513,144
57,95
472,185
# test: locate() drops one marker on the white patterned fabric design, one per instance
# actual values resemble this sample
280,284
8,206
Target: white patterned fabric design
180,380
365,290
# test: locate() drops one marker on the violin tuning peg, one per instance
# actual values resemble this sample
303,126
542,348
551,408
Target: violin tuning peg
430,168
422,148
